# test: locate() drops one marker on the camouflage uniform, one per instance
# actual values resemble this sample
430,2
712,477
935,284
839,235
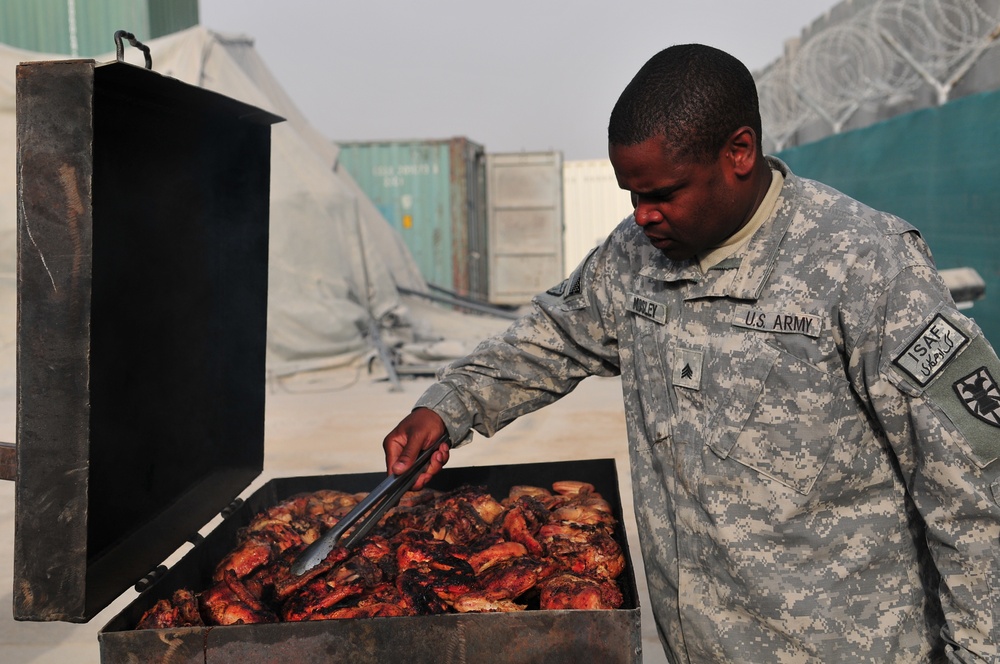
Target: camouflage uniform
810,422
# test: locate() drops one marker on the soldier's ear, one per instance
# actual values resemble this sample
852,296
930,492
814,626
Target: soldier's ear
740,152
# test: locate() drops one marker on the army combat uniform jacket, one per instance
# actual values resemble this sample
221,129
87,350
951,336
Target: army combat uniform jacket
813,433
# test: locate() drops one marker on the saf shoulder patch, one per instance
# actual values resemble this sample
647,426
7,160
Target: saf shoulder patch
931,350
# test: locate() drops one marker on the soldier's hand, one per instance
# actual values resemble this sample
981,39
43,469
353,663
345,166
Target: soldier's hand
415,433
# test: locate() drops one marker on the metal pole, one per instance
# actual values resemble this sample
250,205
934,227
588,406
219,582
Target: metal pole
373,326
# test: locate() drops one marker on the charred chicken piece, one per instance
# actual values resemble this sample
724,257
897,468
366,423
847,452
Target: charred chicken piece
382,610
584,514
430,576
187,607
285,584
540,494
485,505
262,541
353,577
521,521
583,549
380,552
316,599
570,591
415,511
294,535
414,552
464,515
160,615
445,581
316,503
382,600
460,524
229,602
418,593
511,578
494,554
573,488
478,603
179,611
418,498
254,552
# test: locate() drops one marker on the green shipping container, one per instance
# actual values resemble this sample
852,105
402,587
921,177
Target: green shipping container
86,28
433,192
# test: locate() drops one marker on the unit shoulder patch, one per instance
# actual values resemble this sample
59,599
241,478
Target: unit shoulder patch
979,393
967,392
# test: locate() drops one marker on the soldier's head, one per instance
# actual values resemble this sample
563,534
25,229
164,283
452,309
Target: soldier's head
684,140
693,96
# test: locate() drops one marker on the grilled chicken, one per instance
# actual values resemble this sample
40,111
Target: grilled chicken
179,611
493,554
514,577
229,602
478,603
570,591
460,551
583,549
353,577
464,516
521,521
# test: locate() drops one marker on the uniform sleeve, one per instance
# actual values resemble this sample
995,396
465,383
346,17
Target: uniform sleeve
540,358
928,377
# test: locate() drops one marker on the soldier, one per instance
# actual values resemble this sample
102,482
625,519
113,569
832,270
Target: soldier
813,425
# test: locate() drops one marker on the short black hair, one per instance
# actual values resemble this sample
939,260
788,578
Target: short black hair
695,96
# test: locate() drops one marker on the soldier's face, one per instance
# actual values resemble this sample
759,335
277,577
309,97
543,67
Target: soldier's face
683,206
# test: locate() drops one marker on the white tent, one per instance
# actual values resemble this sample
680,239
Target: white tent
335,262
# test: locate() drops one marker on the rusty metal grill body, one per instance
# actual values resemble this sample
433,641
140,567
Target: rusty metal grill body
611,636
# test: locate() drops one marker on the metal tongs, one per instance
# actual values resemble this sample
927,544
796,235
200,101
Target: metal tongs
368,512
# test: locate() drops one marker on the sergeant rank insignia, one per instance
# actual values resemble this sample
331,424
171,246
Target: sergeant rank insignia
979,392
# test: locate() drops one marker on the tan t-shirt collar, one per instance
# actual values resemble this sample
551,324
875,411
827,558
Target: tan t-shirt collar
735,242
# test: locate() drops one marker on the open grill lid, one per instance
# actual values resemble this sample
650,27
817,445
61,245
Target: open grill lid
142,304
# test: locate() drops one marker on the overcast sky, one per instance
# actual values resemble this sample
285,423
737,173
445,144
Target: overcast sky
511,75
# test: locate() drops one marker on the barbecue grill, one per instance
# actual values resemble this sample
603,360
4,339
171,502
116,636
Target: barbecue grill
142,300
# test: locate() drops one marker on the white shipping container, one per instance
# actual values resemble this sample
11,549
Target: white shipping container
592,206
524,212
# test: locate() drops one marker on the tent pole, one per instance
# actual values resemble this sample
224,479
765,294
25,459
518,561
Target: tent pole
374,334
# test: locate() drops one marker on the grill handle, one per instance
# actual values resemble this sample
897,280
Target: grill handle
120,48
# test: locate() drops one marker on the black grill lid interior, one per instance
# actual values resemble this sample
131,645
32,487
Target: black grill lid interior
142,304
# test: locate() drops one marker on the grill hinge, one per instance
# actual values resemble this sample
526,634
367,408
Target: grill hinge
152,577
232,507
